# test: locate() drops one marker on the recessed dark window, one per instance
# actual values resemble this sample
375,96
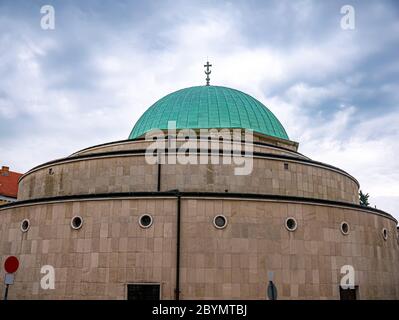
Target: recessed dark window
143,291
385,233
25,224
345,228
76,222
145,221
290,224
220,222
50,171
348,293
286,166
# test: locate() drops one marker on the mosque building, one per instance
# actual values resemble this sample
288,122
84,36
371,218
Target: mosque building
208,198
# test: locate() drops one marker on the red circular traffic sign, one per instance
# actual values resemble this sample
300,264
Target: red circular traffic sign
11,264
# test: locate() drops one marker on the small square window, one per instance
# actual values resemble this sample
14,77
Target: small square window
286,166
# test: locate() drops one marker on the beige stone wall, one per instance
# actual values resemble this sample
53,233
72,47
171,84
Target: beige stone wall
97,260
268,177
143,144
234,262
282,146
111,249
132,173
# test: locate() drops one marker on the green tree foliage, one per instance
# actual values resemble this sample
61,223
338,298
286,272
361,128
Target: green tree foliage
364,199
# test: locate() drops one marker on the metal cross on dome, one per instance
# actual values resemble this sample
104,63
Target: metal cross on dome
207,72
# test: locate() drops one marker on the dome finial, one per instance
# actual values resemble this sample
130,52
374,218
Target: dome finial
207,72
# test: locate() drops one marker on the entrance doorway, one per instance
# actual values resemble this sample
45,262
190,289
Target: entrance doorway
348,294
143,291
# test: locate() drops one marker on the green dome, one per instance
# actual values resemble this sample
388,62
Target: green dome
206,107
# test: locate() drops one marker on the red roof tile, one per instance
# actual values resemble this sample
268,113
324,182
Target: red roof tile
9,182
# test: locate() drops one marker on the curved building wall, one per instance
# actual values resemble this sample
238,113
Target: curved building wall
112,250
258,146
107,172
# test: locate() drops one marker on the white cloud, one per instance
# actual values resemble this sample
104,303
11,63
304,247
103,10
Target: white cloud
129,74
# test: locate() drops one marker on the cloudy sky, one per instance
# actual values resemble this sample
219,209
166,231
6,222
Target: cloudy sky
87,81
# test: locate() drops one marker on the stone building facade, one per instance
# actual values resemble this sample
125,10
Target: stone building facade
107,220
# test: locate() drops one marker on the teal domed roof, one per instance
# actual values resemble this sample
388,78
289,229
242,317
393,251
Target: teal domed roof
206,107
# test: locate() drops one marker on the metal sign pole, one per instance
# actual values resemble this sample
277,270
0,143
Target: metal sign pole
272,291
10,266
6,293
271,288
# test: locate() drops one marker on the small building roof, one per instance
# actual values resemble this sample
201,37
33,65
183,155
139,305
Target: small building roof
9,182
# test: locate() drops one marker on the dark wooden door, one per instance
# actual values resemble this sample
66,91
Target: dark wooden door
348,294
143,291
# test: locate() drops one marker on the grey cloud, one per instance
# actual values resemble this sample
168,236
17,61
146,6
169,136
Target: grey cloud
89,80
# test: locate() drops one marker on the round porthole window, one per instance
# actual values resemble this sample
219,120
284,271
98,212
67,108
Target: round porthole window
145,221
385,233
220,221
344,228
25,225
76,222
290,224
